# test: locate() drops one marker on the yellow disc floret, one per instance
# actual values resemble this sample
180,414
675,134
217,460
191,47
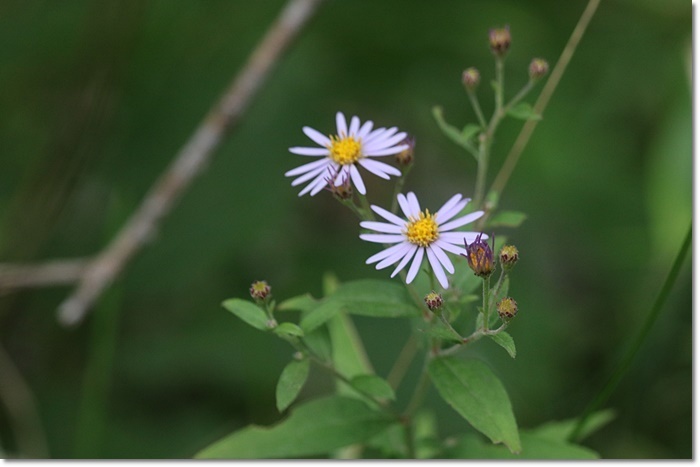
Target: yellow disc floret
346,150
422,231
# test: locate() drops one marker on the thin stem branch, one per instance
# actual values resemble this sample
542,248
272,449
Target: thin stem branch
188,163
543,99
403,362
59,272
477,108
626,361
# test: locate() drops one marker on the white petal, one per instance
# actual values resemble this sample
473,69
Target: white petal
307,167
437,269
308,176
380,134
449,204
318,185
443,245
354,126
405,260
405,207
386,142
458,238
415,265
393,218
316,136
343,174
381,227
385,152
365,129
357,180
381,238
309,151
395,256
385,253
413,204
377,167
442,257
448,214
464,220
341,125
314,185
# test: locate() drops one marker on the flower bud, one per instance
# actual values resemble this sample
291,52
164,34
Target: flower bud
405,157
538,68
508,257
499,40
434,301
479,257
259,290
342,191
471,78
507,309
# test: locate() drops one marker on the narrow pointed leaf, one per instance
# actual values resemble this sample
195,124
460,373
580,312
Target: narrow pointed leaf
560,430
349,356
301,302
471,388
290,329
374,386
451,132
291,381
506,341
507,219
524,111
248,312
533,447
313,429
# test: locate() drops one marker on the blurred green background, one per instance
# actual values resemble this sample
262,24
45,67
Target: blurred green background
97,97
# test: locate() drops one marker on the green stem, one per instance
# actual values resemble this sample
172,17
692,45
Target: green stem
367,213
485,289
420,391
497,289
473,337
518,97
543,99
449,326
403,361
477,108
625,363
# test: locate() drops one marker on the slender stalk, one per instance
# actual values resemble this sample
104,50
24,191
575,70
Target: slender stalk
368,214
475,336
626,361
420,391
477,108
485,289
403,362
542,101
449,326
518,97
497,289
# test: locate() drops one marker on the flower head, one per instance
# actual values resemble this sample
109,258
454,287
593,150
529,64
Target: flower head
343,152
420,234
260,290
508,256
433,301
507,309
479,257
499,40
538,68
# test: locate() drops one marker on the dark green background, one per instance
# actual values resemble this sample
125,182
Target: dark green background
97,97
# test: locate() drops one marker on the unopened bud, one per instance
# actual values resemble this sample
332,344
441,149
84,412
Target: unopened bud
343,190
538,68
499,40
405,157
471,78
508,257
259,290
507,309
434,301
479,257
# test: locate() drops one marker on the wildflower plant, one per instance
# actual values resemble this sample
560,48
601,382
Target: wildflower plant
463,295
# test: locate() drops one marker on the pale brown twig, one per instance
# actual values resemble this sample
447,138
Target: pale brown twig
99,272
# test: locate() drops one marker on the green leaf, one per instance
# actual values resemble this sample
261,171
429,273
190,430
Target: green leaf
322,313
349,357
291,381
314,428
523,111
374,386
506,341
376,298
453,133
470,130
507,219
301,302
248,312
471,388
560,430
439,330
288,329
319,343
533,447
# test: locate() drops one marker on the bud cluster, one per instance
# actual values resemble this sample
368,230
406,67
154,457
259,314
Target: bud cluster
434,301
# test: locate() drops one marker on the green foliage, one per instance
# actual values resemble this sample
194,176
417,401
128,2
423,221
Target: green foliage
291,381
471,388
504,340
523,111
303,302
561,430
248,312
288,329
374,386
461,138
313,429
507,219
533,447
349,356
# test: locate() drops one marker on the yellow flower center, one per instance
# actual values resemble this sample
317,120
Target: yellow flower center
346,150
422,231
